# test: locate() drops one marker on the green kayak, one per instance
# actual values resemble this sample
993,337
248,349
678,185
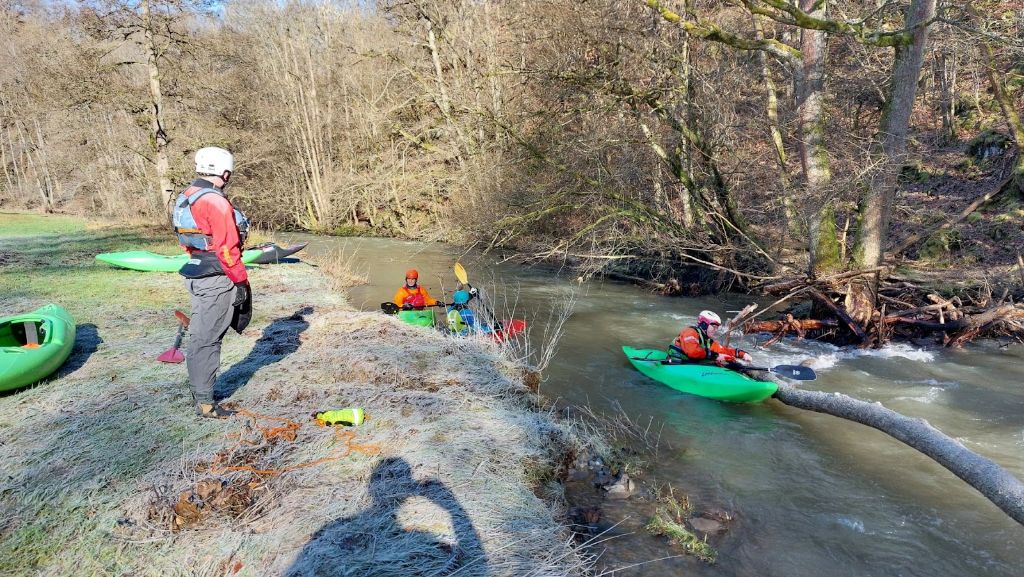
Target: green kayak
33,345
420,318
705,380
143,260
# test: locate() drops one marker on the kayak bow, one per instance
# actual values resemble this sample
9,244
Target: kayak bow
34,345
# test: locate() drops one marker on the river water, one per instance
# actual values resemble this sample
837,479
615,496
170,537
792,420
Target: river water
810,494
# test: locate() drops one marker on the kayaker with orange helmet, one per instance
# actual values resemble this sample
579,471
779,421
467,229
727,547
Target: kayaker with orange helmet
697,343
411,295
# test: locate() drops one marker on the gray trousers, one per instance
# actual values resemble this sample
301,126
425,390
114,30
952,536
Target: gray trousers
211,317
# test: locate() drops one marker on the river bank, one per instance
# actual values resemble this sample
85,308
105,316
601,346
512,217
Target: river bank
106,470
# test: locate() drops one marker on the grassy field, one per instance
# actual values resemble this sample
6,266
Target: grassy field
106,471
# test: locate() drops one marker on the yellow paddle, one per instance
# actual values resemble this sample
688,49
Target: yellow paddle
460,273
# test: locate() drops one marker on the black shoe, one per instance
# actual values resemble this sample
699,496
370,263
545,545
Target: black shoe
213,411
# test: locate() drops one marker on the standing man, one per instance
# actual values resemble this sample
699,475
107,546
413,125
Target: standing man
213,232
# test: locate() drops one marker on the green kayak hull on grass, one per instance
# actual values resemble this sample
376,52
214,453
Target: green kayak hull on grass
704,380
420,318
145,261
34,345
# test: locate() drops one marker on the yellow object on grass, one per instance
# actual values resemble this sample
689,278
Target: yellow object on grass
349,416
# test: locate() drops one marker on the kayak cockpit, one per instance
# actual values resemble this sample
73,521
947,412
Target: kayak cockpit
27,333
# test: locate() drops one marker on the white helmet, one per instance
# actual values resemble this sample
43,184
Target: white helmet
708,317
214,161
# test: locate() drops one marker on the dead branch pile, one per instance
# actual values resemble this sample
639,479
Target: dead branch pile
905,309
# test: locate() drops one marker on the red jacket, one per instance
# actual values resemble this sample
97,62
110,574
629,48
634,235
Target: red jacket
699,346
215,216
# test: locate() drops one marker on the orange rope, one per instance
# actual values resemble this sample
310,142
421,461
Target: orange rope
288,432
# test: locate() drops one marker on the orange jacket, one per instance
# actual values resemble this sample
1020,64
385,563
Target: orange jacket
407,294
697,345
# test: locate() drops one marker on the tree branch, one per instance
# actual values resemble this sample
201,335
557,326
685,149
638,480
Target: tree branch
709,31
993,481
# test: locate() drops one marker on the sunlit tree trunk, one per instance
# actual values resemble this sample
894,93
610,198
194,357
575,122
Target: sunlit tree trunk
442,99
772,110
1010,112
946,67
158,136
993,481
889,154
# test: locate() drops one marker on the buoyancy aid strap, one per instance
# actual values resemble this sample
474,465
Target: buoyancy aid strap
31,335
190,201
703,339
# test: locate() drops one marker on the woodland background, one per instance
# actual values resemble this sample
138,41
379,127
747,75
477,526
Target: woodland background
689,144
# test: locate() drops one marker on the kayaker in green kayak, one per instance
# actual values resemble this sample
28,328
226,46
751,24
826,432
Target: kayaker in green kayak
212,231
698,343
411,295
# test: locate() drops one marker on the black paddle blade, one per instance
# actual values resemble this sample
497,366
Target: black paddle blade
389,308
795,372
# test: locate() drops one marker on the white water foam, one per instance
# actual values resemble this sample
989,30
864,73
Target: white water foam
821,356
901,350
851,523
927,398
930,383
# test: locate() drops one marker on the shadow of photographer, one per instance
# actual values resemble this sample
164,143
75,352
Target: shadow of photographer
374,542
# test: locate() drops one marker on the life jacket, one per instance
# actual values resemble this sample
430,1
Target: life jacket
189,233
703,341
414,297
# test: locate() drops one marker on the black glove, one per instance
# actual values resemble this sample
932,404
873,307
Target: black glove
407,307
242,293
440,304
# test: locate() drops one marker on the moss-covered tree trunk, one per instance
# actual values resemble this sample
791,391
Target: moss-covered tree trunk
889,154
823,249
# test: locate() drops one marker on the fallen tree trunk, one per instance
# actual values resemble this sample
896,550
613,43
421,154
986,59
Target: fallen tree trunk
967,322
994,482
795,325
